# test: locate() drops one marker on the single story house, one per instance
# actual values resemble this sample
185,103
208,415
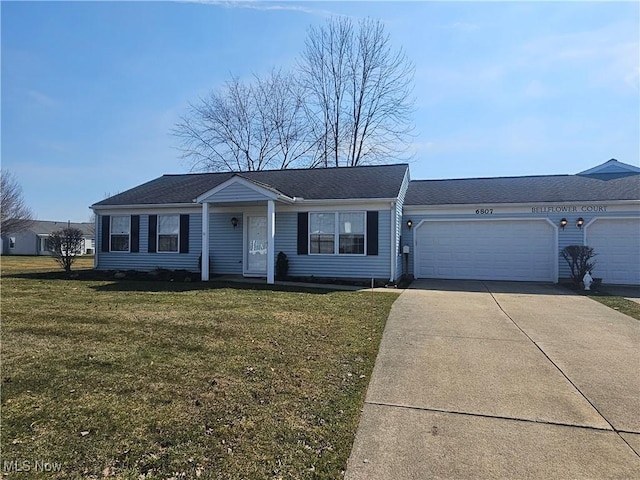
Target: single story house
35,239
375,222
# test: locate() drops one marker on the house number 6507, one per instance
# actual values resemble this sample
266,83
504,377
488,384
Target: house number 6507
484,211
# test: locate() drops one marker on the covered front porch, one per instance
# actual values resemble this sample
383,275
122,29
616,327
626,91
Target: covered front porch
256,206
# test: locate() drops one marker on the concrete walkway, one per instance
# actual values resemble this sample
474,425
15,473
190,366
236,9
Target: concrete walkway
501,380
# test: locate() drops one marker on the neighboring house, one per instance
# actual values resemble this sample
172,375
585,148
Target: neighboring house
35,239
373,222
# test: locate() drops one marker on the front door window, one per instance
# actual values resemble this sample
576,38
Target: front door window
257,244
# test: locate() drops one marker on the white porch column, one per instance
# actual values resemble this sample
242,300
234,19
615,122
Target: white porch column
271,238
204,263
96,219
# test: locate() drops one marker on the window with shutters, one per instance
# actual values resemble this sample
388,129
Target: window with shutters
342,233
168,233
120,233
322,228
352,233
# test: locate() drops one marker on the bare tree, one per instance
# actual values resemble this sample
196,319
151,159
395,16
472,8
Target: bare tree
348,103
15,216
323,76
280,100
65,245
246,127
359,92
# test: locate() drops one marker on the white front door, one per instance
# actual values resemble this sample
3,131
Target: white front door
256,247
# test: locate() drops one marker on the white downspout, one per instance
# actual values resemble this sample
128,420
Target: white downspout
95,240
271,238
204,262
394,243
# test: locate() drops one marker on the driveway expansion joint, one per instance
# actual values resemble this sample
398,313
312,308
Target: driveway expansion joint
612,428
490,339
488,416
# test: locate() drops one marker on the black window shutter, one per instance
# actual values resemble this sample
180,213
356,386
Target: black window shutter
135,233
184,233
303,233
153,228
372,233
106,227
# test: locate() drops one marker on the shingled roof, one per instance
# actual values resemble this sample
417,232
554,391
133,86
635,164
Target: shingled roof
45,227
382,181
536,189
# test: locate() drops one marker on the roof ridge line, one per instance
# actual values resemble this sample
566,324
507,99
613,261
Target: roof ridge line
350,167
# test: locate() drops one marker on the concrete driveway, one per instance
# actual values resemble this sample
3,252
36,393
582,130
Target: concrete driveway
501,380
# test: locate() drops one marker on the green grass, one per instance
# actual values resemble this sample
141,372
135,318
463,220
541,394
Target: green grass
605,295
620,304
183,380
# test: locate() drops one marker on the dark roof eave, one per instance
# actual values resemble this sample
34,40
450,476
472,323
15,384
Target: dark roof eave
104,206
519,204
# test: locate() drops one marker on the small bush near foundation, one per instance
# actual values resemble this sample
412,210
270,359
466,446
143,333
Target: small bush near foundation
580,260
282,266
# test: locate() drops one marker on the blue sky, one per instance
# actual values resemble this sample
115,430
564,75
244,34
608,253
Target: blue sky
91,90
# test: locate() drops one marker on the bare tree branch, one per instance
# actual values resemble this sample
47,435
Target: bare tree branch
15,215
246,127
361,89
65,245
349,103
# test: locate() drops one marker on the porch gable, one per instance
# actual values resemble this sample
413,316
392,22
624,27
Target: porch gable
239,189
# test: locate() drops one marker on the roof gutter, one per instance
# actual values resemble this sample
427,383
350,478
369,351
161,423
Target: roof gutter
142,206
519,204
281,197
342,201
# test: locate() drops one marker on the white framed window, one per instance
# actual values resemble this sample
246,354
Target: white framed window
168,233
12,242
352,231
322,233
120,233
45,244
337,233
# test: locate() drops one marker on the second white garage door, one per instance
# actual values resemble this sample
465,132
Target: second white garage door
521,250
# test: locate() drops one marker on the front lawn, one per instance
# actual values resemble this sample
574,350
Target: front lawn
628,307
185,380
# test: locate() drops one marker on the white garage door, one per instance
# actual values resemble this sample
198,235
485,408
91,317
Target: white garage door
523,250
617,245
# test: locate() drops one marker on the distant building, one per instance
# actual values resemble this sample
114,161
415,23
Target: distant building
35,240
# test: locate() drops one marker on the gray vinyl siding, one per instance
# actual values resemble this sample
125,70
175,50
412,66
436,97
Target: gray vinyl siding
571,235
334,266
236,193
225,243
226,250
407,239
144,261
400,241
26,243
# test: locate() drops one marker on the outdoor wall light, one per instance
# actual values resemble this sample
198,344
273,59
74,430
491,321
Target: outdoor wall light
234,222
579,223
563,223
409,224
